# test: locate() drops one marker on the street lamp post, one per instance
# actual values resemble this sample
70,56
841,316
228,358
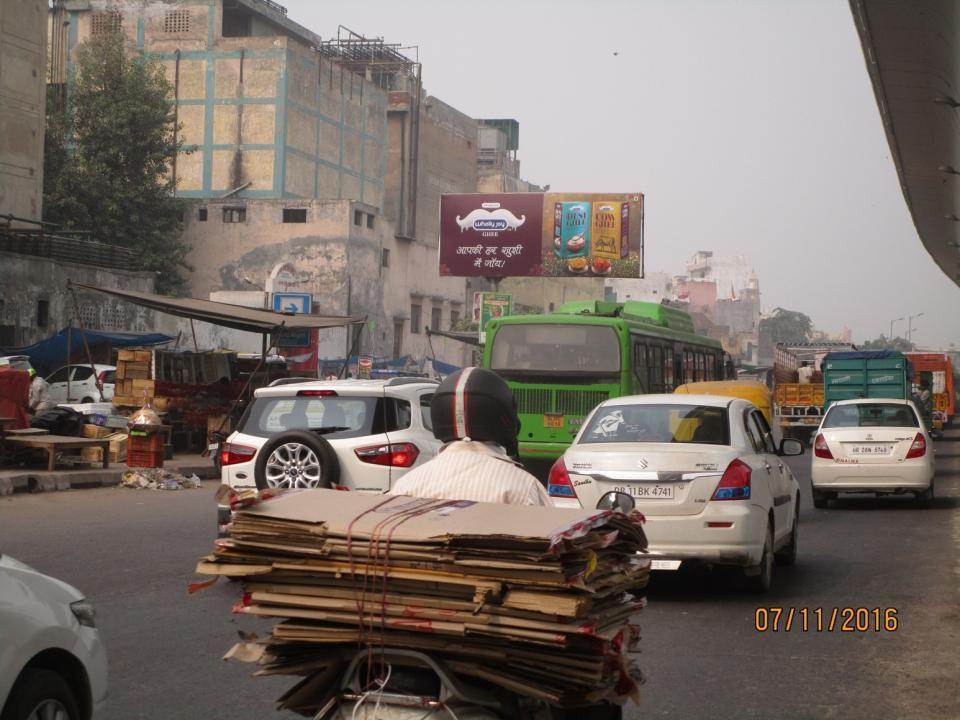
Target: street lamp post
910,326
890,336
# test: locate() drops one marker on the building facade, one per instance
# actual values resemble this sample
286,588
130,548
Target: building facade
327,155
23,42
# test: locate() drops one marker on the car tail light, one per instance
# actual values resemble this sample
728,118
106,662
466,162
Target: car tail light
918,448
102,377
402,455
316,393
821,449
735,483
558,483
232,453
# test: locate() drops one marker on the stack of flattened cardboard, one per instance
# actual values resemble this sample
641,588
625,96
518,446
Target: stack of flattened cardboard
532,599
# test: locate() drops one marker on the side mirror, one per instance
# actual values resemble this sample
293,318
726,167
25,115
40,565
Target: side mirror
790,447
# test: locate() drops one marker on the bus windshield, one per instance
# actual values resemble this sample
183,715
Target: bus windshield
550,348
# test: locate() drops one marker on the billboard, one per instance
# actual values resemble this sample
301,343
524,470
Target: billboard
542,234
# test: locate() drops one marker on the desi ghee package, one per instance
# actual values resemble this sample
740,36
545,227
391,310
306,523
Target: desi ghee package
610,232
571,229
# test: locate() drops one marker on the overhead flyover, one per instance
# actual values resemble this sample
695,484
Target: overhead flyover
912,51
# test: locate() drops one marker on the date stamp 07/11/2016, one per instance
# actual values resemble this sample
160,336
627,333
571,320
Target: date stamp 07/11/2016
825,619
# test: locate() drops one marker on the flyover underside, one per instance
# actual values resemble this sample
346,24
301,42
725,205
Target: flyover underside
912,51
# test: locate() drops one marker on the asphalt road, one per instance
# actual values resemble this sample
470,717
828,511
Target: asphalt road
133,554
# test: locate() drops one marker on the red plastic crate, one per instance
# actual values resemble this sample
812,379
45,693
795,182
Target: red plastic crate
144,458
149,443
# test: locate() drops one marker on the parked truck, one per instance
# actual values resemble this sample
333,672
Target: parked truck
799,406
936,370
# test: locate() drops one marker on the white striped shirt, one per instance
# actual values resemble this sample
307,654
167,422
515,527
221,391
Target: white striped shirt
473,470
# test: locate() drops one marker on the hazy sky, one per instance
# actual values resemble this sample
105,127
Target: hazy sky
750,126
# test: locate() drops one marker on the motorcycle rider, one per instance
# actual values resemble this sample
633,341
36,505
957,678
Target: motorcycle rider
474,413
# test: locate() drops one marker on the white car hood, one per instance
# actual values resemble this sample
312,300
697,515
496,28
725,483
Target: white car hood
58,589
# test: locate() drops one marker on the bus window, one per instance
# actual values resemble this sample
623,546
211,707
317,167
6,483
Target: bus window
699,367
712,367
668,369
548,348
640,366
688,366
655,362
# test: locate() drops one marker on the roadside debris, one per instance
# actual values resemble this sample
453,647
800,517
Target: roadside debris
159,479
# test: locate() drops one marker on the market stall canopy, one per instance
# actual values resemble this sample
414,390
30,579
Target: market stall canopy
232,316
470,338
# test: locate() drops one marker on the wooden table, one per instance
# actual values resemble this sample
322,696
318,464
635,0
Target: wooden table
52,444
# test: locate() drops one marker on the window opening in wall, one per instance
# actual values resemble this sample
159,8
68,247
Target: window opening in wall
176,21
415,310
370,221
105,23
202,215
454,318
234,214
294,215
358,218
237,22
43,312
435,314
385,257
397,338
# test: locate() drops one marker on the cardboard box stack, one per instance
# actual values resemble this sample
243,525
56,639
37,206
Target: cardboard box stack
118,444
134,385
535,600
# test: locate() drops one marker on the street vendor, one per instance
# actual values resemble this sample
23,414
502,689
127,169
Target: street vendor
38,399
474,413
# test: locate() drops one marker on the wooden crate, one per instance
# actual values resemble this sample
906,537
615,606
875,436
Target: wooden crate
118,450
95,431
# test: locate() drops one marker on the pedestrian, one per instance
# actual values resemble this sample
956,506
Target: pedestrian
474,413
38,399
805,372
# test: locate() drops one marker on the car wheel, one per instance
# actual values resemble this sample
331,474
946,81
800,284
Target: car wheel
87,400
925,499
760,582
41,695
821,500
296,459
787,555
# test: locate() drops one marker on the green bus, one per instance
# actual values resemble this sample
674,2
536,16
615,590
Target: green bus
563,364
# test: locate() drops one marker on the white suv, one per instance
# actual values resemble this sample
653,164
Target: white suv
346,434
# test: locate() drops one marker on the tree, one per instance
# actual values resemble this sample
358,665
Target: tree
108,155
787,326
885,343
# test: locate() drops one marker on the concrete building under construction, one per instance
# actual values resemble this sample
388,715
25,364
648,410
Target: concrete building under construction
325,157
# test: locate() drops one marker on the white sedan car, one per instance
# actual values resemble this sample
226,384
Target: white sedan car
874,445
52,662
702,469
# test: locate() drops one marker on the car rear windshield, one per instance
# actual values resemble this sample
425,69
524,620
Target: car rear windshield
556,348
871,415
334,417
696,424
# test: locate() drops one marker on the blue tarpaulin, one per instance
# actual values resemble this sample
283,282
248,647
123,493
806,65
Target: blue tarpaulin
442,368
52,352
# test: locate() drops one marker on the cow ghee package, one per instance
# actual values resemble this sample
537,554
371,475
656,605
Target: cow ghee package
571,229
610,231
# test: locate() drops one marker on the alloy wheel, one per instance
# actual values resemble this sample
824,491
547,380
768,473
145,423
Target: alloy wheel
293,465
49,709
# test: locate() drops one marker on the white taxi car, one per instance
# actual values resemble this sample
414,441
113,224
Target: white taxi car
52,660
349,434
874,445
702,469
